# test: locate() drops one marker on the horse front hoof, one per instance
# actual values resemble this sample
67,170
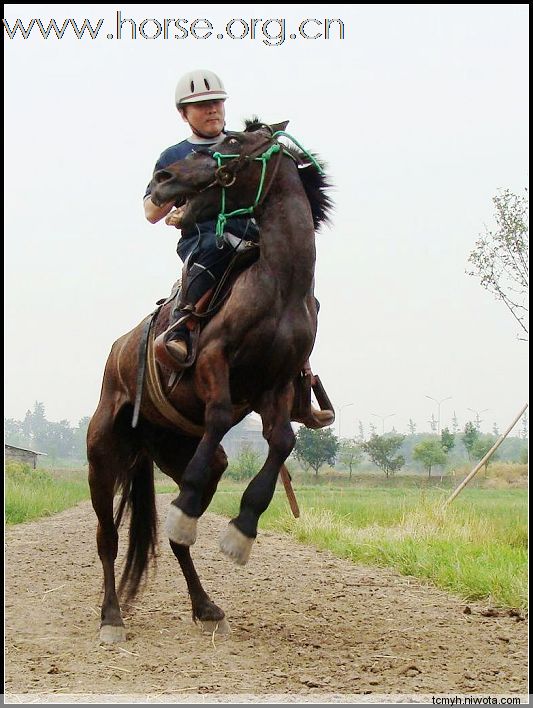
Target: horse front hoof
111,634
180,527
236,545
218,627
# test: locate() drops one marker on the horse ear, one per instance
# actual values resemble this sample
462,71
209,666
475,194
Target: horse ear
279,126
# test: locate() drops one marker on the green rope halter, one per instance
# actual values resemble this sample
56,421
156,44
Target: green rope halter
264,158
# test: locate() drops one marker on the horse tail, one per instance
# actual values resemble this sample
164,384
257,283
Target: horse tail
138,496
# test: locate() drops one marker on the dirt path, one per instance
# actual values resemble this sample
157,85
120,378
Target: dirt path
303,622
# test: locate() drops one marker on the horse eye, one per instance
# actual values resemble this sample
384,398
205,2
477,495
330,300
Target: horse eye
233,141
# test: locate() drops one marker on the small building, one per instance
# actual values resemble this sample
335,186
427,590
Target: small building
21,454
248,434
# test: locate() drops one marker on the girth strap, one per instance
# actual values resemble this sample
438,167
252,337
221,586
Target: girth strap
154,389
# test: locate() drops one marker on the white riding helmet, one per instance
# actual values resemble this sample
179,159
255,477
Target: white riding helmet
199,85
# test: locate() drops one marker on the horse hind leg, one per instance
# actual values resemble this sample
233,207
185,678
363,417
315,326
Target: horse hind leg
102,480
204,610
113,460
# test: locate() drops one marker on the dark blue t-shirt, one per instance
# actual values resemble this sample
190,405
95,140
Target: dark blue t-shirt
242,226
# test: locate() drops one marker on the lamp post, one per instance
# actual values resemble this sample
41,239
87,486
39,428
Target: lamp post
340,418
438,409
478,420
383,417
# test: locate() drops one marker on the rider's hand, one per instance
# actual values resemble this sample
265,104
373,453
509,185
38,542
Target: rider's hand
175,217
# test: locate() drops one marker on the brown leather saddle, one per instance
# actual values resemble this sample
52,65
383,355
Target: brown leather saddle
159,328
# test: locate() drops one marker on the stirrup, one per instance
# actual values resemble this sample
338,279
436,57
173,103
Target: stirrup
316,419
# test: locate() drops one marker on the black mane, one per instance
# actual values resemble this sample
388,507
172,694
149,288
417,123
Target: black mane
315,182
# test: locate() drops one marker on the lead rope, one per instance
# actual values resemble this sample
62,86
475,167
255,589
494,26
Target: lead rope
305,152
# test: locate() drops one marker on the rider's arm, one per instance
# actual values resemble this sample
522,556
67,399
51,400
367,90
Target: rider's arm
154,213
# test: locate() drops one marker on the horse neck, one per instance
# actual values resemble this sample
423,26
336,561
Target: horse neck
287,232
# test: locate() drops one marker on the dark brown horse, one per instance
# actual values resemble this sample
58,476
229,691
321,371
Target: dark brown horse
250,353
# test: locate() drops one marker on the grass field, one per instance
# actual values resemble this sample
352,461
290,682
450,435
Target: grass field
477,548
30,494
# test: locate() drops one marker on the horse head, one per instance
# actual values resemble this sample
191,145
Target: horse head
237,166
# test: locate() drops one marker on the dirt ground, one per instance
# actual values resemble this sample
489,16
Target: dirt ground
305,626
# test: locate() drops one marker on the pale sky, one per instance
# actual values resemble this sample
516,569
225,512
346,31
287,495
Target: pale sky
421,113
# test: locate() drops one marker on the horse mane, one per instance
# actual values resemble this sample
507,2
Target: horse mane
315,182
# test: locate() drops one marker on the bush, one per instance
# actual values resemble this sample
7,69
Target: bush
246,465
22,472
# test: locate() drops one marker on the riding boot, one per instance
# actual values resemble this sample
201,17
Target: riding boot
199,281
303,411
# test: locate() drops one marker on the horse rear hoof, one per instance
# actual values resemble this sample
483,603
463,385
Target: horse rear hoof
111,634
219,627
236,545
179,527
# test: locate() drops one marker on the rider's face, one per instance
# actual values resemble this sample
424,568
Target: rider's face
205,118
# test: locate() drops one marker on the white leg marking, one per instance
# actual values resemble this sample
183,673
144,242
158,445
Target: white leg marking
236,545
111,634
179,527
219,627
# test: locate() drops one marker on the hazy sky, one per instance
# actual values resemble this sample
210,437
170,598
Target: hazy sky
421,113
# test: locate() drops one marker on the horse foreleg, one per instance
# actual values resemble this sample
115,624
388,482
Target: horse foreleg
182,519
241,532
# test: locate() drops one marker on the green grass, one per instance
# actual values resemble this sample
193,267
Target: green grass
31,494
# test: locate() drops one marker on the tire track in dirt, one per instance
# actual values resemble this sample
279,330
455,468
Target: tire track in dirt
303,622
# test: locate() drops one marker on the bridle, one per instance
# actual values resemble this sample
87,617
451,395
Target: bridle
226,174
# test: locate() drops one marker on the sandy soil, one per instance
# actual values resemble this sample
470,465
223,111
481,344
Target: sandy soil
304,623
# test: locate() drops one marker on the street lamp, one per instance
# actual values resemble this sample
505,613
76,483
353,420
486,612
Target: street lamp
478,420
340,415
438,409
383,420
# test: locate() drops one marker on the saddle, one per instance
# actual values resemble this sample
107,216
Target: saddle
200,313
158,332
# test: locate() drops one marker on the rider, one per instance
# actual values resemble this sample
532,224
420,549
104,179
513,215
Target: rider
200,97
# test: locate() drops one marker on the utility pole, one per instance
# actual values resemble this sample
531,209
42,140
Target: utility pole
383,417
438,409
346,405
478,419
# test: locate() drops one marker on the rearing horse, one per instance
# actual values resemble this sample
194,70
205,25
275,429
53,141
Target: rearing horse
250,353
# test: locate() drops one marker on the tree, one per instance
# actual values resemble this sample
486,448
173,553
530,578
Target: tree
470,435
447,440
500,258
382,451
429,453
412,427
480,448
80,437
316,447
433,423
361,436
455,424
351,454
13,433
